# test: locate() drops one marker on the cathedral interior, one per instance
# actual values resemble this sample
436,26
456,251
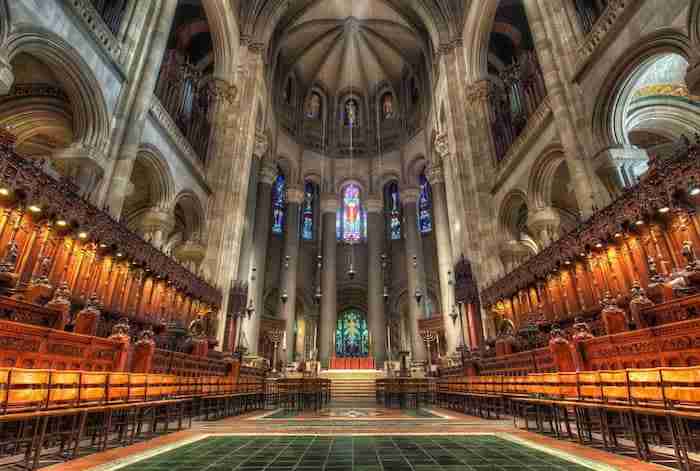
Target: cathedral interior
366,235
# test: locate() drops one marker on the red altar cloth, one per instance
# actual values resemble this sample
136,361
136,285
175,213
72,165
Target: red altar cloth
352,363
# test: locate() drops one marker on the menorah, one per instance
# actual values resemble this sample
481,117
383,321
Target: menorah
275,336
428,337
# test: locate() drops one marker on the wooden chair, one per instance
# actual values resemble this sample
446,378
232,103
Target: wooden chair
681,394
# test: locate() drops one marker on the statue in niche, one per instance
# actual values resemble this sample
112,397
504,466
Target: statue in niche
313,106
388,106
351,112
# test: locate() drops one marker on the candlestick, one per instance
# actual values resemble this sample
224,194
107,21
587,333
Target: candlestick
388,339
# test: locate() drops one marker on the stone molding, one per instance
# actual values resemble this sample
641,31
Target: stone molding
7,77
608,25
97,28
533,129
163,118
262,144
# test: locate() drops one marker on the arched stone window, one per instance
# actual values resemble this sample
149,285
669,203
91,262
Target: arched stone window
392,208
279,203
425,205
351,223
307,211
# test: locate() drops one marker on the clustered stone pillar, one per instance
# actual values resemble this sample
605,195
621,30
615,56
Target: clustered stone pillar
326,334
409,199
268,173
134,124
295,196
375,300
580,176
444,253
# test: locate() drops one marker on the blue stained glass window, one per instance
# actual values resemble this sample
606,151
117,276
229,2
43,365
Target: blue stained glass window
351,334
425,204
307,212
393,208
279,203
351,221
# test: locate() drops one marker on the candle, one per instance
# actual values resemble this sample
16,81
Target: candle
388,339
284,340
315,335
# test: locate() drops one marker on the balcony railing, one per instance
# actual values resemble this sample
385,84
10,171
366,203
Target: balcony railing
183,91
588,12
513,102
112,12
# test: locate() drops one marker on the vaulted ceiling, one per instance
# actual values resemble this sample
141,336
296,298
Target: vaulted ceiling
343,44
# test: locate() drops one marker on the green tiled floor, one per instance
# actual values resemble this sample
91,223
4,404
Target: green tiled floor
344,453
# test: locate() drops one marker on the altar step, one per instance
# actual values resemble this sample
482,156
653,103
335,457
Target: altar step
353,389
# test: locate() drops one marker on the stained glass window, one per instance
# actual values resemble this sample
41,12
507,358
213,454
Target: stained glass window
279,203
307,212
425,203
393,210
351,334
351,223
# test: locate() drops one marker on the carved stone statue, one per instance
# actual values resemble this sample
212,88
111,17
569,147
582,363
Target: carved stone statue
388,106
638,302
313,106
351,113
614,318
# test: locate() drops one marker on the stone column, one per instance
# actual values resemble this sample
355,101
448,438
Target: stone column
544,223
135,122
83,164
329,308
414,248
573,147
441,227
375,281
295,196
155,224
268,173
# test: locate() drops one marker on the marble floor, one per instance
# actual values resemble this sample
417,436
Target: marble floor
361,438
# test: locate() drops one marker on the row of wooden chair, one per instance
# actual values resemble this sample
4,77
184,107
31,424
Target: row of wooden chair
301,393
404,392
55,415
26,390
653,406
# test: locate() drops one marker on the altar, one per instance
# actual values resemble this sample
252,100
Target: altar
352,363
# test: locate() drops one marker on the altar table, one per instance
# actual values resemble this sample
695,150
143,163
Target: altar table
366,363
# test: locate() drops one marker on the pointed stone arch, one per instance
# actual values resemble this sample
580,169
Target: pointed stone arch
90,117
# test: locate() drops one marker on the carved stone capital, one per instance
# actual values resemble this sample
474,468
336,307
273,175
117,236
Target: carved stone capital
441,145
268,172
435,173
262,144
409,195
329,203
190,251
7,76
295,194
221,91
157,219
478,92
